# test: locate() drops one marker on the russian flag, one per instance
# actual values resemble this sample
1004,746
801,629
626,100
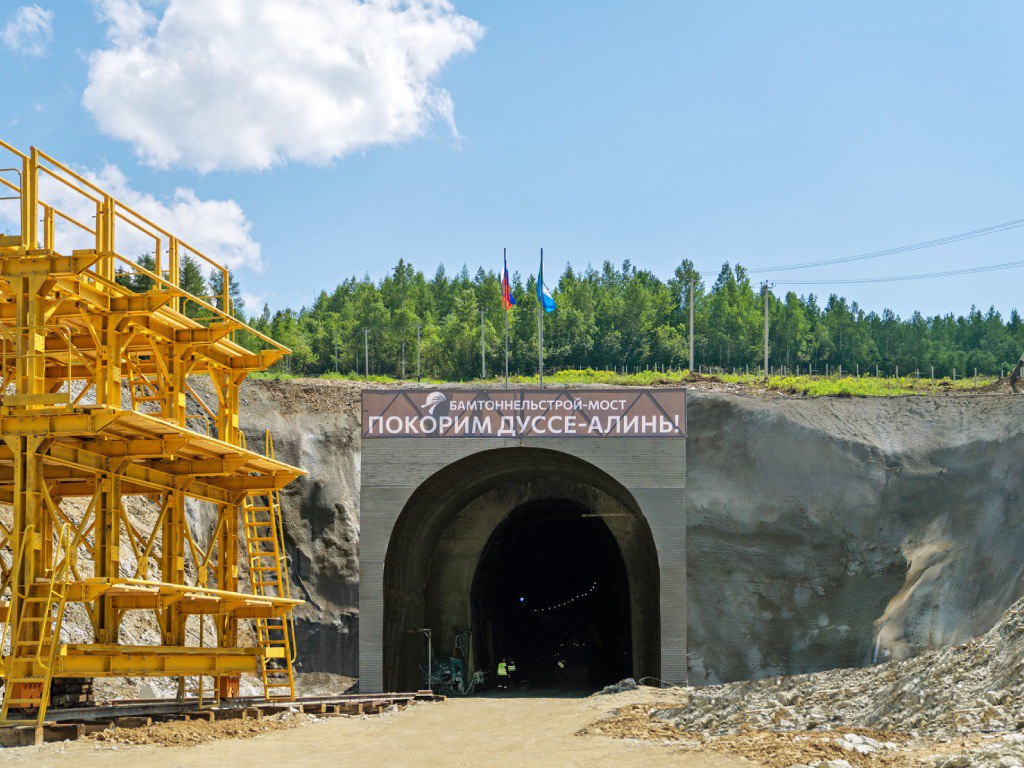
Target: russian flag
507,299
543,294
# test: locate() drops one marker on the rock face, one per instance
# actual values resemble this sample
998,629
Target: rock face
821,532
973,687
316,426
830,532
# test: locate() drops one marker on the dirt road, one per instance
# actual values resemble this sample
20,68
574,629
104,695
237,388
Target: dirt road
470,733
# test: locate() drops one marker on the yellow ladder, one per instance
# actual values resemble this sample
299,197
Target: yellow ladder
268,570
28,670
142,388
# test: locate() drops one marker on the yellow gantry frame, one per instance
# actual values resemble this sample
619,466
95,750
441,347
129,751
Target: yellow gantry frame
73,336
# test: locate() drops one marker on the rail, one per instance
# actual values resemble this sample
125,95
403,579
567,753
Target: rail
64,396
168,249
56,593
286,586
17,558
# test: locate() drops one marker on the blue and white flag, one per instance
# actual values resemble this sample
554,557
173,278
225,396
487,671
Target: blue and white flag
543,294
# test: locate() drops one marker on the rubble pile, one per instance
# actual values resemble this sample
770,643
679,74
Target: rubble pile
192,732
971,688
961,707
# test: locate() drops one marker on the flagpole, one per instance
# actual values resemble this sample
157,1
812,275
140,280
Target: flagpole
540,321
505,269
540,343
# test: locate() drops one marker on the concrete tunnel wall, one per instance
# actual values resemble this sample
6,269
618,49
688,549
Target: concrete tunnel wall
457,553
430,506
820,531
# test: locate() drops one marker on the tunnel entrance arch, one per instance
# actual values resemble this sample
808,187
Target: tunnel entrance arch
461,520
552,594
445,521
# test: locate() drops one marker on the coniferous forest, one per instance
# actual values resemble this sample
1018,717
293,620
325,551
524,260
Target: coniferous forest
614,317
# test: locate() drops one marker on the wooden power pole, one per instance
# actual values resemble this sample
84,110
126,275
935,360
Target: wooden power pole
766,330
691,326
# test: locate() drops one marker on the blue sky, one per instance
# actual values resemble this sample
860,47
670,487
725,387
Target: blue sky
655,131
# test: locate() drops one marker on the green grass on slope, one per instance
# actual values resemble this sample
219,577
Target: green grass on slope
281,376
811,386
852,386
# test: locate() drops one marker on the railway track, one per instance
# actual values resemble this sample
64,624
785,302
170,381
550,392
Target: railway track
73,723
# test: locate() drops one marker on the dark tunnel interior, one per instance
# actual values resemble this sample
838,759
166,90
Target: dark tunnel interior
551,593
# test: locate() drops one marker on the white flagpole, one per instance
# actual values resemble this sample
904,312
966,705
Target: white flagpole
504,270
540,319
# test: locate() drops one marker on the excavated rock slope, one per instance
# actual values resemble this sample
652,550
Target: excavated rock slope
972,687
960,707
822,533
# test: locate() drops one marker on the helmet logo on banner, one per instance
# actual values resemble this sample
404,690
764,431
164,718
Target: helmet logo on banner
434,399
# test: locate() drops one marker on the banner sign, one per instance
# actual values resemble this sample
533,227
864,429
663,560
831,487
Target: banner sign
520,413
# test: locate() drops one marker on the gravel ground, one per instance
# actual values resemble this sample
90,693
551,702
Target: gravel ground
959,707
475,732
191,733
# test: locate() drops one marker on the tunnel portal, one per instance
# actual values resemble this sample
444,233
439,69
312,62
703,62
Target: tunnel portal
564,554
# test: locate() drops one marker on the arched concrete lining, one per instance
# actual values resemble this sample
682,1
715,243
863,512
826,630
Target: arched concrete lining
414,490
428,581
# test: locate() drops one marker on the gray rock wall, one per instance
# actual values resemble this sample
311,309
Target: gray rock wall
316,427
827,532
821,533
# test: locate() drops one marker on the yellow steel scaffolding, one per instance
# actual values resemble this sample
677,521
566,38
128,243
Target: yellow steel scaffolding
93,404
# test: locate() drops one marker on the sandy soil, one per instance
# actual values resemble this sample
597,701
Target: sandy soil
782,749
477,733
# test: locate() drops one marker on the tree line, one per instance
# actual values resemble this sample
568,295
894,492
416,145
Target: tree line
614,317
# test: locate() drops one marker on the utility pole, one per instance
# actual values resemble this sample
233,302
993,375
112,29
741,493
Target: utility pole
418,352
366,348
691,325
766,330
483,349
336,355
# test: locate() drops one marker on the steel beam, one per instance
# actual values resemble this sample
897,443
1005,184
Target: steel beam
69,329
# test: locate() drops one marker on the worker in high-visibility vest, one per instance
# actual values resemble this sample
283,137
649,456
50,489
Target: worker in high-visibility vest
511,667
503,673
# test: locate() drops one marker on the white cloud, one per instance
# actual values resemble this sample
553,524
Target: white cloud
219,228
126,19
29,30
254,83
253,302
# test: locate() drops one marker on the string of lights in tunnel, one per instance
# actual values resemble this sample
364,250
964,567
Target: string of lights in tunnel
564,603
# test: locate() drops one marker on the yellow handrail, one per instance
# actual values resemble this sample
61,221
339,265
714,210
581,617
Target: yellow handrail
109,209
62,330
16,560
286,586
62,560
12,150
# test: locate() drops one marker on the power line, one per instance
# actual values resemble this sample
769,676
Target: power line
900,278
994,229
